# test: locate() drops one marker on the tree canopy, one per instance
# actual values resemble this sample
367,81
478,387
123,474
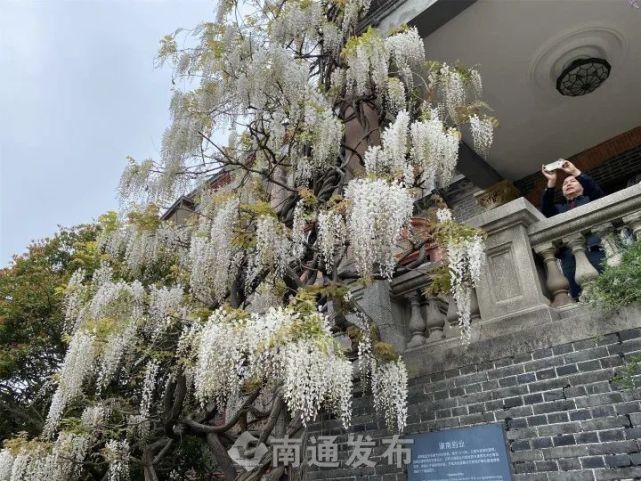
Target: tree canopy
305,142
31,324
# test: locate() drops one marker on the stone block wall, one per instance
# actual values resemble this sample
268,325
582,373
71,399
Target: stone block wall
564,417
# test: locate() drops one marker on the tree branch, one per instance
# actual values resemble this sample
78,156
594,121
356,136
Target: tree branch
277,407
221,455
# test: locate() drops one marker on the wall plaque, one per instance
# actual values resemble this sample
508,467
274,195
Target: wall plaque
477,453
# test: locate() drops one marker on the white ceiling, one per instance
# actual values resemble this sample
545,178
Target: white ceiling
515,42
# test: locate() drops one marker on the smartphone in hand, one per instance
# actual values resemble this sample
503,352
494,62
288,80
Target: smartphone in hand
552,166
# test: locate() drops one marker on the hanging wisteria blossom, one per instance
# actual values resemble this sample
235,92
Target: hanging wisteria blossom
454,91
164,307
273,247
465,255
118,455
406,51
378,211
220,358
312,376
477,82
389,386
482,134
395,95
435,149
395,140
368,65
331,235
212,255
78,364
299,237
6,465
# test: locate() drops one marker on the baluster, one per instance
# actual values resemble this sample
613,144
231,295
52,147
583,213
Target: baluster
417,323
555,281
585,271
608,241
452,319
435,321
634,221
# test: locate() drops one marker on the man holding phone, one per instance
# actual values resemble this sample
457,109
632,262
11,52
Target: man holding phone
578,189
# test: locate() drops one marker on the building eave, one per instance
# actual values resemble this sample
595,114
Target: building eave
426,15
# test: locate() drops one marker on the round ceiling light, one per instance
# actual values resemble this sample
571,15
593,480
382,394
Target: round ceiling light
582,76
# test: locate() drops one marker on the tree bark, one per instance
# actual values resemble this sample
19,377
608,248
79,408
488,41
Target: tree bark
221,455
148,466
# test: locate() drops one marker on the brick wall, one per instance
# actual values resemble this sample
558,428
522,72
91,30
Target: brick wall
564,417
460,197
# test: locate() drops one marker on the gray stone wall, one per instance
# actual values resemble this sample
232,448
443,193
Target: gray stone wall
564,417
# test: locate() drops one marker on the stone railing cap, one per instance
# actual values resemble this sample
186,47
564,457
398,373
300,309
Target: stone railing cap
518,211
415,279
583,218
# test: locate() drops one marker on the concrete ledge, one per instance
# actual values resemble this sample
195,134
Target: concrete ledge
584,324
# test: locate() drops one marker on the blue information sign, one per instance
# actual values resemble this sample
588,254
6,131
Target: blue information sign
477,453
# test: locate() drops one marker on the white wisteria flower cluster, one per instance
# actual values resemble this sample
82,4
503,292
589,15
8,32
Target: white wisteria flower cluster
354,9
213,258
393,157
220,358
57,461
389,387
312,378
371,60
120,308
6,464
406,50
435,149
268,347
74,301
148,387
95,416
140,247
482,134
424,147
273,246
78,365
165,305
396,95
378,210
453,91
465,257
299,235
118,455
331,235
326,132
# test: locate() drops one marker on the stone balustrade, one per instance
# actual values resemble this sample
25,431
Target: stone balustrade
515,286
432,318
521,284
605,218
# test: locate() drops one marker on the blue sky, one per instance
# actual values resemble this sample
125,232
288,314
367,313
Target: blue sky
78,93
